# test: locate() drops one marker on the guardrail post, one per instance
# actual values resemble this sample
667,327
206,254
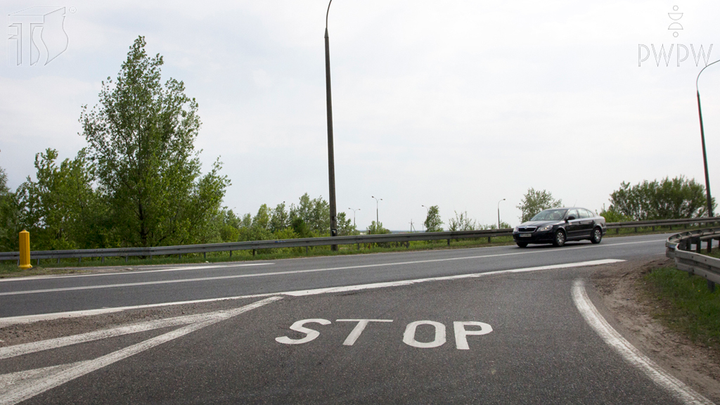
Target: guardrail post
709,246
448,242
489,239
711,286
24,261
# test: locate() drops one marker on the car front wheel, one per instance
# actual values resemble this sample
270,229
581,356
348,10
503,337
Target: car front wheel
596,235
559,238
522,244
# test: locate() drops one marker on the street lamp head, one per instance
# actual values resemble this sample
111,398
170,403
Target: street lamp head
699,73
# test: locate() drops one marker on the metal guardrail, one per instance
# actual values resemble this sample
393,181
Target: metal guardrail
256,245
685,248
312,242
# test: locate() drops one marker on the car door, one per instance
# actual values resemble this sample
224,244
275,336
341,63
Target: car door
573,226
586,223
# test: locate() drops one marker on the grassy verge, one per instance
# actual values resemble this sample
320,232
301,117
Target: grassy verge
685,304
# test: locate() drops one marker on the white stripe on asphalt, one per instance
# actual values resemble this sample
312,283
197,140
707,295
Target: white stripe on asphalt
278,273
15,389
122,273
32,347
525,252
58,315
632,355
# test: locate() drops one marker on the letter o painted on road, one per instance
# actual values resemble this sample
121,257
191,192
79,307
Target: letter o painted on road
409,335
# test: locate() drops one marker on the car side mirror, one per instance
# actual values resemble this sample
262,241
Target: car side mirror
570,218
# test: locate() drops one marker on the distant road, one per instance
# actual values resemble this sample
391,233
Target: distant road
166,284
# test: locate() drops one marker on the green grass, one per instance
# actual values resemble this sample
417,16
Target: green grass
685,304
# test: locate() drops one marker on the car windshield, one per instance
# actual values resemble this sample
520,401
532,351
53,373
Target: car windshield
550,215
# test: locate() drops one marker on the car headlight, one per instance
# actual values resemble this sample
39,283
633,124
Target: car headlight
545,228
516,229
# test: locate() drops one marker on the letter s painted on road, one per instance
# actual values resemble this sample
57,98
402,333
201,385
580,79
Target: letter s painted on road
299,327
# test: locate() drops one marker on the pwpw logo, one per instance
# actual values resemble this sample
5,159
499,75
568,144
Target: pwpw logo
38,35
674,53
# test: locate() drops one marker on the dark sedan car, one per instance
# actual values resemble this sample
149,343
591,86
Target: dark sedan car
558,225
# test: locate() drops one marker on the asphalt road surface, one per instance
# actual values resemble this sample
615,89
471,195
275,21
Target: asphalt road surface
492,325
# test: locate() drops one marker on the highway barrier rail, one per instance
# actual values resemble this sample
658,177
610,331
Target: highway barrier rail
405,238
685,248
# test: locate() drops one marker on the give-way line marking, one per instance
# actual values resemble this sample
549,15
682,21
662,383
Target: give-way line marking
630,353
297,293
20,386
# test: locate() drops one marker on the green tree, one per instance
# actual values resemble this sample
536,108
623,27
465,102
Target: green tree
141,137
461,222
536,201
345,225
61,210
262,218
230,226
612,215
9,216
665,199
280,218
433,221
314,212
300,228
376,228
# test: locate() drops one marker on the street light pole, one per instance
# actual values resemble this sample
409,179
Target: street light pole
377,216
331,153
427,212
702,138
498,206
353,210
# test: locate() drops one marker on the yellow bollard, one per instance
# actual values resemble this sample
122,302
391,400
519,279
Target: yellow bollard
25,250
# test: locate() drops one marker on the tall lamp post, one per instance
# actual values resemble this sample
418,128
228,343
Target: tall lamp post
377,216
331,154
353,210
427,213
498,206
702,137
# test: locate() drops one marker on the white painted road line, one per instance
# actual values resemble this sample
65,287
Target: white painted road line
278,273
330,290
59,315
26,348
16,389
129,272
632,355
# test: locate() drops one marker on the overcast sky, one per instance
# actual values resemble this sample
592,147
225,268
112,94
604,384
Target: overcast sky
457,104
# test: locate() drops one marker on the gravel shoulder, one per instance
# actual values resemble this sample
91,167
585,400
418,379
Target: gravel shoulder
623,292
